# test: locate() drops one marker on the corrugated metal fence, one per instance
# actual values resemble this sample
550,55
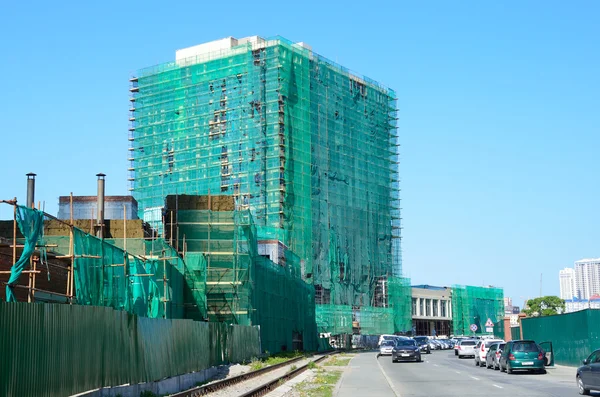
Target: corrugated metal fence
573,335
58,350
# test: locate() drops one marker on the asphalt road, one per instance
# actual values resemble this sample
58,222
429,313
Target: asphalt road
443,374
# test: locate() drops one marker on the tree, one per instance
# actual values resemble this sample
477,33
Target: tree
544,306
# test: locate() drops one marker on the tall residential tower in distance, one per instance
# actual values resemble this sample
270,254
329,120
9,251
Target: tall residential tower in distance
308,148
567,283
587,278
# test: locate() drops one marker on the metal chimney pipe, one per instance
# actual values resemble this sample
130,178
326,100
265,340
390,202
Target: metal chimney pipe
30,190
100,209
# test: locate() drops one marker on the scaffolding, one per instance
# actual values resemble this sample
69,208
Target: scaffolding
307,147
87,270
474,306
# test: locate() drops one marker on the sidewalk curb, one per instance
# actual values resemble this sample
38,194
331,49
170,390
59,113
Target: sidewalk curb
338,386
387,378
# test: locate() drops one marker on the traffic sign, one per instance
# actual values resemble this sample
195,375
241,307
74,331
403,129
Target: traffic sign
489,323
473,327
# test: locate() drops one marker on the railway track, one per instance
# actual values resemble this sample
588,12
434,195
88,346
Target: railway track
259,391
275,383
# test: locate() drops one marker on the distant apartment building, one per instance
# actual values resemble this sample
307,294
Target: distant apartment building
567,283
574,305
587,278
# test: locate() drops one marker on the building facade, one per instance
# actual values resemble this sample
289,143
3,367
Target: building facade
307,147
567,283
431,310
587,278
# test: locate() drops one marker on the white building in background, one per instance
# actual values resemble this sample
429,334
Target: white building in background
587,278
574,305
567,283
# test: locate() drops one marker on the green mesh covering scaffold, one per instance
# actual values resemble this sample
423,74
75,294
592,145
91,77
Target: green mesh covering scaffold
310,149
228,281
475,305
147,281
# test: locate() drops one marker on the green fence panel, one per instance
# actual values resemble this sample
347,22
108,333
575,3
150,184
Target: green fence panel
573,335
58,350
515,333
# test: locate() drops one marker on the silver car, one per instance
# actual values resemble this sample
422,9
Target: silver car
386,347
466,348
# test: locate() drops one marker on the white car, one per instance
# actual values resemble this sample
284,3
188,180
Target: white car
466,348
482,348
386,347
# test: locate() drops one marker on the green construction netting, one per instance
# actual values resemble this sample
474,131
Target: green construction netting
31,225
228,281
148,281
310,149
335,319
399,299
474,306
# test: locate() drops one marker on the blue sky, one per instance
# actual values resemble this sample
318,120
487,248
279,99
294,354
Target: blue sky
499,113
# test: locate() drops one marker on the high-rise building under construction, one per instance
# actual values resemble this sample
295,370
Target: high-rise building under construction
307,148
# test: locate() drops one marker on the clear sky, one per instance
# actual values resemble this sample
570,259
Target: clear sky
499,113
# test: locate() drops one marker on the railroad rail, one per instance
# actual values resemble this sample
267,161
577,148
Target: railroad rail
221,384
275,383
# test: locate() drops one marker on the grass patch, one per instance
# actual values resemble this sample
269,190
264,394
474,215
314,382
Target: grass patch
337,362
256,364
311,365
321,386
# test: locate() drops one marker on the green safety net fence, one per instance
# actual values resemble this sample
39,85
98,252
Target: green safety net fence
307,147
474,306
31,225
147,280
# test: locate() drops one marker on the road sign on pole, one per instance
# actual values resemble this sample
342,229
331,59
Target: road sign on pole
473,327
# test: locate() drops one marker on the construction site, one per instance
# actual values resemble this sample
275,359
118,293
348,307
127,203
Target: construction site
264,183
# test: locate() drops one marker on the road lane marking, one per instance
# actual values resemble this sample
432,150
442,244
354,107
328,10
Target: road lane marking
458,372
499,387
472,377
435,365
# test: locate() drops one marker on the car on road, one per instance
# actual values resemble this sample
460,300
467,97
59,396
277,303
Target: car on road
386,347
482,348
406,349
523,355
435,344
423,343
588,375
456,340
492,359
466,348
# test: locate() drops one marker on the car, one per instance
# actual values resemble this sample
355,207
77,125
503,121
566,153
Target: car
422,342
437,344
522,355
588,375
406,349
482,347
386,347
492,359
466,348
456,340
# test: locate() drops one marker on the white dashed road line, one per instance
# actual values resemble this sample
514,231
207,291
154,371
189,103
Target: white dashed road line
458,372
499,387
472,377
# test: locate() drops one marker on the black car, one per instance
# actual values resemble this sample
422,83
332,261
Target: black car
588,375
406,349
423,343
